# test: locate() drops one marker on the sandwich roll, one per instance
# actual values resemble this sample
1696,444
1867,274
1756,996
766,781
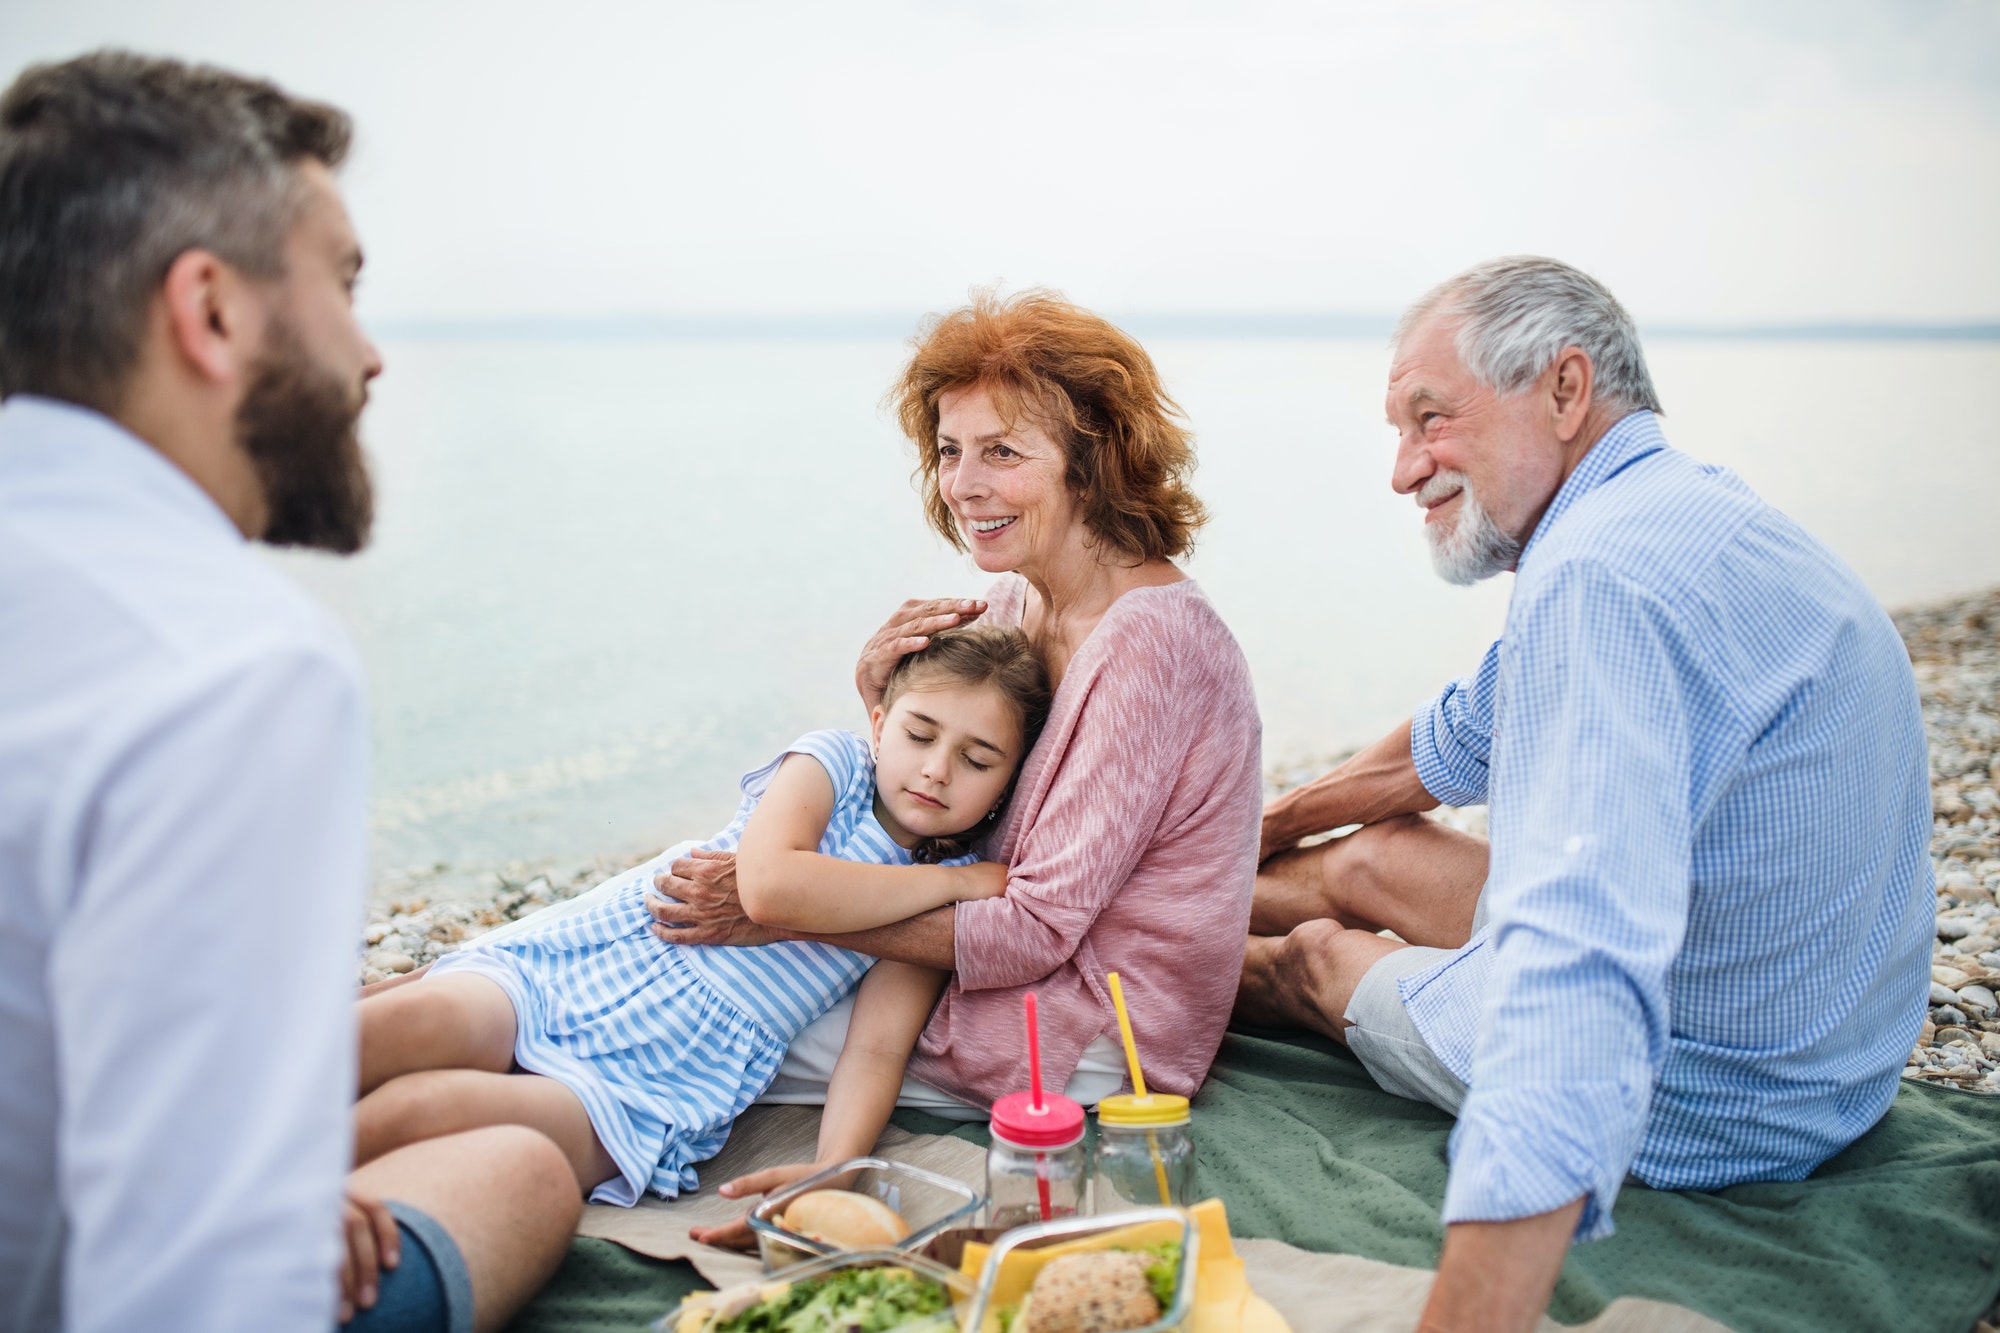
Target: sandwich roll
846,1219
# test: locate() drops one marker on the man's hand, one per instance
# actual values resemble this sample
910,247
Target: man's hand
903,633
1495,1277
737,1235
708,910
372,1245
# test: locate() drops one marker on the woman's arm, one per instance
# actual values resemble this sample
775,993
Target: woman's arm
890,1011
707,910
786,883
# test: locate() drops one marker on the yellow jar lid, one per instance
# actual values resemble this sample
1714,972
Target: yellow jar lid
1155,1108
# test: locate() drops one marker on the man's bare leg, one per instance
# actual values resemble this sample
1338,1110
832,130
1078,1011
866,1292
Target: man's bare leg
1307,978
506,1197
1408,874
1317,909
457,1021
433,1103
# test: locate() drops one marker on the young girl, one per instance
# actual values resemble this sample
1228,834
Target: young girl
635,1055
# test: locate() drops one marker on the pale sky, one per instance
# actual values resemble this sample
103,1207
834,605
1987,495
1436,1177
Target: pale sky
1713,162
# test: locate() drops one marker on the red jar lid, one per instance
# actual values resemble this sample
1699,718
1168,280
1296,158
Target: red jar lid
1057,1124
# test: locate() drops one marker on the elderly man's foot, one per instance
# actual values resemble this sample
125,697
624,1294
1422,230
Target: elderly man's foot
1262,1000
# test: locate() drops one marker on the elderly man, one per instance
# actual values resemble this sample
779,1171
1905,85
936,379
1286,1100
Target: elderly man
1694,950
183,840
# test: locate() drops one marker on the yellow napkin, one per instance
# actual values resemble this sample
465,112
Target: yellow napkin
1221,1292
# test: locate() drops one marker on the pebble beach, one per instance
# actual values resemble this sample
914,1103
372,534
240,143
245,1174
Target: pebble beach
1955,651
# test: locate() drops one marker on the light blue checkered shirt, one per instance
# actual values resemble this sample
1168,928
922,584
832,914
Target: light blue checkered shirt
1709,909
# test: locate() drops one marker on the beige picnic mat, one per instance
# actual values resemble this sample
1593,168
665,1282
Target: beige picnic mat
1316,1293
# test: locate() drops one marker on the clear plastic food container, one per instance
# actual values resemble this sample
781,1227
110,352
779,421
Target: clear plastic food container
699,1311
929,1202
1008,1271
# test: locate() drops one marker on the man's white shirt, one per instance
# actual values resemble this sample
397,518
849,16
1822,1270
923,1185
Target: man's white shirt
182,863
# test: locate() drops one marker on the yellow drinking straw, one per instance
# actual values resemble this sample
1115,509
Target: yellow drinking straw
1138,1079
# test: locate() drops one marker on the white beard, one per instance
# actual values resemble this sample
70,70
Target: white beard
1474,548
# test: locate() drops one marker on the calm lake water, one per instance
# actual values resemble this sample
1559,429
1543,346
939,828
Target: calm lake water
610,577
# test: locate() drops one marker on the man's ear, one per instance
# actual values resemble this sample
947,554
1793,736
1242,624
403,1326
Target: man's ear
1570,397
209,312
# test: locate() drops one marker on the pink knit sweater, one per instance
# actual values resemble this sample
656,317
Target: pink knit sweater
1132,846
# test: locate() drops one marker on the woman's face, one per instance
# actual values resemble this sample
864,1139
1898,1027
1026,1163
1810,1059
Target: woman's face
1005,485
943,756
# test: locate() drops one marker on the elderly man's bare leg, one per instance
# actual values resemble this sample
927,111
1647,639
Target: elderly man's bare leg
1408,874
506,1197
1306,979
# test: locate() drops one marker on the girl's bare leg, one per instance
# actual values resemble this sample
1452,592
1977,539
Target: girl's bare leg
457,1021
431,1103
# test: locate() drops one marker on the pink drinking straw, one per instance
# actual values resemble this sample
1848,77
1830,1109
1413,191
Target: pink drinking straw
1035,1103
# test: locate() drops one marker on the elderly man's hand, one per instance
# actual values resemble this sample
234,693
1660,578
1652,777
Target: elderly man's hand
708,910
903,633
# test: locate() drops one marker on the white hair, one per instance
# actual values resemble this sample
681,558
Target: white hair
1474,548
1518,314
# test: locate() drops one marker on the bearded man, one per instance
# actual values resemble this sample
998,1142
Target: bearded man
182,817
1699,744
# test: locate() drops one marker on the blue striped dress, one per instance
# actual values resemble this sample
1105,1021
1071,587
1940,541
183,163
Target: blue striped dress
666,1044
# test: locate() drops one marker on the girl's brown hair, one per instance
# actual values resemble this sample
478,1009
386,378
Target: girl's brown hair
1085,381
977,655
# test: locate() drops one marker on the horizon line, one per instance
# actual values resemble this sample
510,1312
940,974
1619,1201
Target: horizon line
1247,325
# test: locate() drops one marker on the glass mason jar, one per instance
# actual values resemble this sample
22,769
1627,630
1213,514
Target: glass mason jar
1036,1169
1145,1155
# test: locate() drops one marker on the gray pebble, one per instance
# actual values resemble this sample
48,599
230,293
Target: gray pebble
1979,998
1941,993
1955,927
397,963
1948,1017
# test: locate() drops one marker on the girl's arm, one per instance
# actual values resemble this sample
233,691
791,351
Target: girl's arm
890,1011
784,882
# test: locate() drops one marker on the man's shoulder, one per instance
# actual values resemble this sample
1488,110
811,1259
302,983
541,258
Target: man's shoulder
130,612
1656,523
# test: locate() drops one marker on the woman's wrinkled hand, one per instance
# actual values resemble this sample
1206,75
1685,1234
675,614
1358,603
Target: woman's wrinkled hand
708,910
903,633
737,1235
982,879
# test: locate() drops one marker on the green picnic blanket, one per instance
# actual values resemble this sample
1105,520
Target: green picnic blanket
1900,1232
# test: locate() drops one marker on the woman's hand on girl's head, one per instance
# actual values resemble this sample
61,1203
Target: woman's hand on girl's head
982,879
708,910
903,633
737,1235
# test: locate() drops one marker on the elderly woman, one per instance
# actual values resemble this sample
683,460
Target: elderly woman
1048,449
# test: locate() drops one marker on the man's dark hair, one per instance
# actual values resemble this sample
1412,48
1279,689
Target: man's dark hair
112,165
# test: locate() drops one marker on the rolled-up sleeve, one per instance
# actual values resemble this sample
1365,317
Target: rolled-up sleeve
1099,815
1588,892
1451,737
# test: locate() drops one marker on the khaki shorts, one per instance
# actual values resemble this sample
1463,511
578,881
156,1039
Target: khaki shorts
1388,1044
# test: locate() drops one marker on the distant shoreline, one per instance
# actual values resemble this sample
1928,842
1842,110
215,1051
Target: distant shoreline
1247,325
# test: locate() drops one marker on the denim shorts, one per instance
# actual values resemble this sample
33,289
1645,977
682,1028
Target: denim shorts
429,1291
1385,1040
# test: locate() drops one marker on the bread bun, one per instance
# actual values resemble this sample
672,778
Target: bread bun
846,1219
1096,1292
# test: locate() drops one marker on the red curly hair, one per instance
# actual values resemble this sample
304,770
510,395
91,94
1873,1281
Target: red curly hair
1090,385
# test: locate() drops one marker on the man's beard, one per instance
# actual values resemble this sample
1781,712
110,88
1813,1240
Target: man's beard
1475,548
298,424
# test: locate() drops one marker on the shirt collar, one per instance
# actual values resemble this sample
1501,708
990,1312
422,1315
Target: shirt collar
1630,438
46,437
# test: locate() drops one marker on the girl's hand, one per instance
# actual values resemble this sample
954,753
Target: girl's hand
904,632
982,879
737,1235
708,911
